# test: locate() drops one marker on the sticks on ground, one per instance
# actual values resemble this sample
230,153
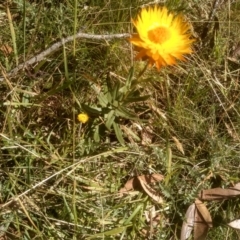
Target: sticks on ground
59,44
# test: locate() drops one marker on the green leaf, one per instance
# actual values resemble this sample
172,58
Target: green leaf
109,97
141,80
96,136
103,99
110,119
134,93
136,99
91,110
115,104
115,93
124,90
125,113
135,212
129,79
118,133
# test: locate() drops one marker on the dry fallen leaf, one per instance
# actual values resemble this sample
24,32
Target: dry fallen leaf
200,228
150,192
235,224
178,145
237,186
134,183
188,223
219,193
202,221
204,212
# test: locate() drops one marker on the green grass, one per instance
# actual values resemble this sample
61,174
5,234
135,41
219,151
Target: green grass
68,174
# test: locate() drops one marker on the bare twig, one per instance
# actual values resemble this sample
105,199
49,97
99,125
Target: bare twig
59,44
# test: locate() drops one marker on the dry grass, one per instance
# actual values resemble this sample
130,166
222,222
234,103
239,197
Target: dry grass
68,174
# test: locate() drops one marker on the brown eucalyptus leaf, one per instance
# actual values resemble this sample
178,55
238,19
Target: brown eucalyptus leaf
153,178
134,183
129,185
200,228
150,192
219,193
235,224
202,221
204,212
188,222
237,186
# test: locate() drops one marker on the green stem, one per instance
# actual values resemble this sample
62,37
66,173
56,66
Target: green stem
142,72
135,82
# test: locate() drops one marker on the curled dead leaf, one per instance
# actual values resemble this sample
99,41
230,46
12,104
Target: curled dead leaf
202,222
150,192
134,183
200,228
201,207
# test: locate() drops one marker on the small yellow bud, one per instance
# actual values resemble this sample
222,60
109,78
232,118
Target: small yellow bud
83,117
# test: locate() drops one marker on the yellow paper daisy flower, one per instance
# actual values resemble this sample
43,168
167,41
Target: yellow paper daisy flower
83,117
162,37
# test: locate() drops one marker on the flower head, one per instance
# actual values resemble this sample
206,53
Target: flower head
162,37
83,117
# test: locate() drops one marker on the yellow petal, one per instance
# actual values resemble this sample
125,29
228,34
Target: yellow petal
162,37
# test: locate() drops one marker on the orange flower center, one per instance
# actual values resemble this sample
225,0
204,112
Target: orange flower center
159,35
